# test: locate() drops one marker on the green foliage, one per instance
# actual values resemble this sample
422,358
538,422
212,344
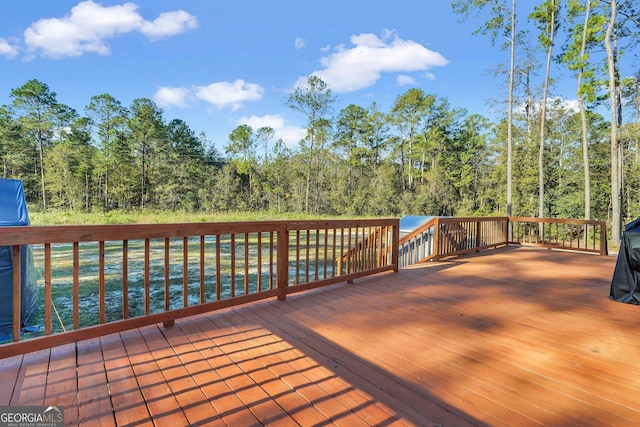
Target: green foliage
315,101
423,156
545,16
498,23
585,35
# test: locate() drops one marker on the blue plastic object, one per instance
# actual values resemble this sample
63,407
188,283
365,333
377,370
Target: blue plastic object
411,222
13,212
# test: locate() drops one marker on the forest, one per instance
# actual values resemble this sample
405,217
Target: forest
544,156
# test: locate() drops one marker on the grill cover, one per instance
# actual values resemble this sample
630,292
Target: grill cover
626,275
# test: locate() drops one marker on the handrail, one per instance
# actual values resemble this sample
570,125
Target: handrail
371,242
443,236
556,233
111,278
418,246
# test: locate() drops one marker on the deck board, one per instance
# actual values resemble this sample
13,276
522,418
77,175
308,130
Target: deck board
161,402
94,403
273,361
9,370
515,336
62,385
31,380
234,394
318,372
127,400
555,390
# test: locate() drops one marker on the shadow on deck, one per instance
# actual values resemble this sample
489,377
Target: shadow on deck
515,336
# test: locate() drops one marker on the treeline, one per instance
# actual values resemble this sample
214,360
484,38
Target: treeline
544,157
423,156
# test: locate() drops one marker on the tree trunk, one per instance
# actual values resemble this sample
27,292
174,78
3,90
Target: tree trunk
309,169
510,110
583,120
41,154
543,115
616,219
585,160
409,162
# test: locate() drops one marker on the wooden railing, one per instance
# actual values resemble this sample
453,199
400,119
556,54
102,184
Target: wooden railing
444,237
97,280
441,237
552,233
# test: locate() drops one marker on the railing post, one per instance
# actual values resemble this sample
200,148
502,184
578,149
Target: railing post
17,309
478,234
48,297
282,260
507,226
436,239
603,239
395,243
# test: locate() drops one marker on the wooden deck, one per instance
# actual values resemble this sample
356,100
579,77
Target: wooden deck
515,336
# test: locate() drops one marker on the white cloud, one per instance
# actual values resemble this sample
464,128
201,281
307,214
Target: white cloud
404,80
229,94
361,66
169,24
220,94
7,49
553,103
568,104
89,24
290,135
172,97
300,43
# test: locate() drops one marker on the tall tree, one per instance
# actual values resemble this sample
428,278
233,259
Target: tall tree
584,35
265,135
377,134
36,106
184,167
242,151
502,21
625,37
611,49
473,166
148,132
16,152
69,166
351,130
276,173
242,143
109,118
546,18
407,114
441,164
315,100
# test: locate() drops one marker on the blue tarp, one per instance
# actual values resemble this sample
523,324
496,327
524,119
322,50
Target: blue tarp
13,212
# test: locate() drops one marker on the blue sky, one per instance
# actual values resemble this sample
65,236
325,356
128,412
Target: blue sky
219,64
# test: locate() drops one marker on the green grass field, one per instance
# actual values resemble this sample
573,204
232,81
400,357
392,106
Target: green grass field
61,217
